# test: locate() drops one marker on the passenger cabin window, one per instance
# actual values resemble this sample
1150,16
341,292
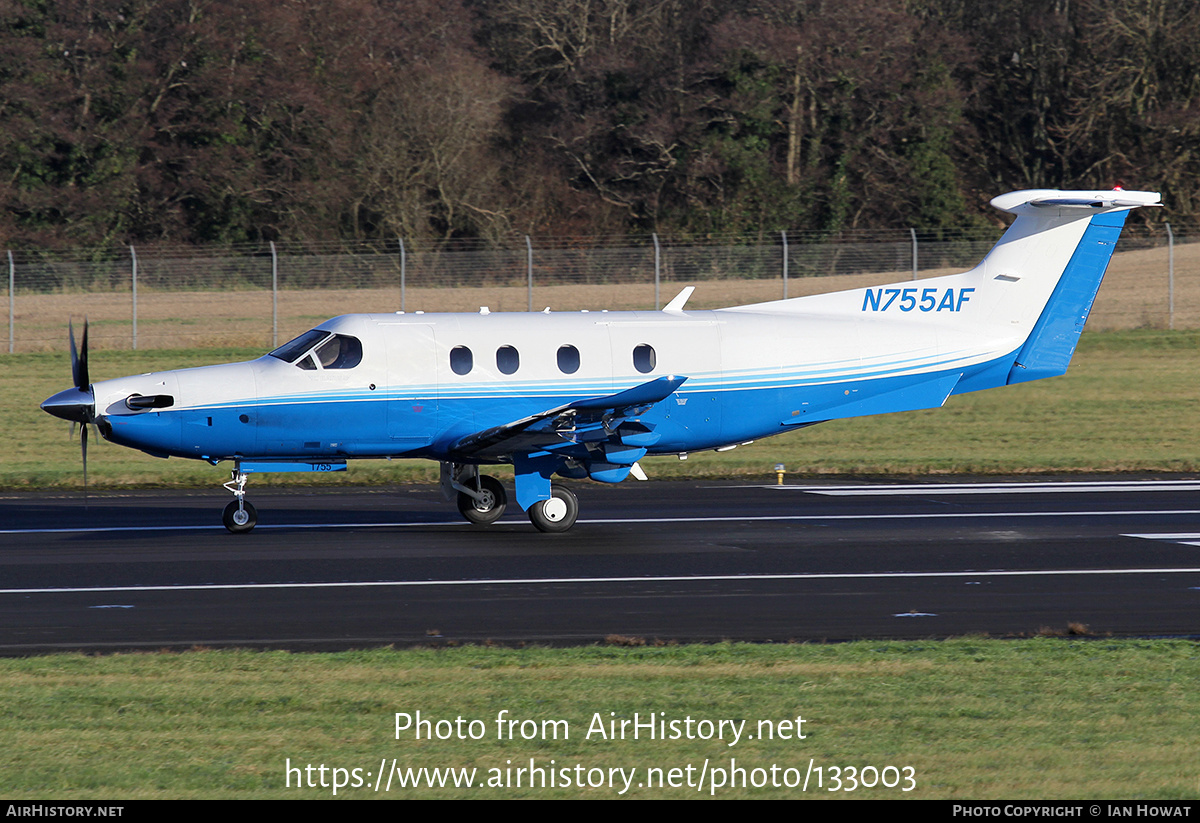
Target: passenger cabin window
461,360
644,359
568,359
507,360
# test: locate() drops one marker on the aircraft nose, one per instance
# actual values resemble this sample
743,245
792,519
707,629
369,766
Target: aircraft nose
72,404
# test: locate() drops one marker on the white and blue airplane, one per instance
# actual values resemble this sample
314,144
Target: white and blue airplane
589,394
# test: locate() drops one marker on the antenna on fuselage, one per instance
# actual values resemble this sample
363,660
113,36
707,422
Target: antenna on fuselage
676,305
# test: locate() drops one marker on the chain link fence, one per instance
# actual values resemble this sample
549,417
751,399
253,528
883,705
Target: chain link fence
174,297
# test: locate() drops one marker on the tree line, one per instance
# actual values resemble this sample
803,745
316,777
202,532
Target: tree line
226,121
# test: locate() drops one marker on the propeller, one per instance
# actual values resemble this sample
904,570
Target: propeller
77,404
79,366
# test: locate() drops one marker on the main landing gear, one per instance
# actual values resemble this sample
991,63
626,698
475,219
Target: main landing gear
481,499
486,504
556,514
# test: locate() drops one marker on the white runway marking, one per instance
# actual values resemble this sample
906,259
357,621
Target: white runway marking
555,581
211,527
1040,487
1183,538
625,520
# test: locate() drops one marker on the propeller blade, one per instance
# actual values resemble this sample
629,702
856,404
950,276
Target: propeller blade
83,440
74,354
79,364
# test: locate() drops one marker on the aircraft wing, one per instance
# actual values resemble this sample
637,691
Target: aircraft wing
595,428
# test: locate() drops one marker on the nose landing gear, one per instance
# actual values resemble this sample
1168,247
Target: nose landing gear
239,516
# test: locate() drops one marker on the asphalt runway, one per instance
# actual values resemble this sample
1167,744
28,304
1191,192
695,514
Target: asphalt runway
653,561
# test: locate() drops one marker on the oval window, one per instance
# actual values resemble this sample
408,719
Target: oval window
568,359
507,359
461,360
644,359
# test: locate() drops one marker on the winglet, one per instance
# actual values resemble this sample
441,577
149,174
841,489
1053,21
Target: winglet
676,305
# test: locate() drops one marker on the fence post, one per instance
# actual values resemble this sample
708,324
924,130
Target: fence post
133,256
913,232
274,297
403,272
657,257
1170,278
12,281
783,234
529,269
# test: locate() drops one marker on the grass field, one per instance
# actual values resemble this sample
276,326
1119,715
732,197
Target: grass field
965,719
1130,403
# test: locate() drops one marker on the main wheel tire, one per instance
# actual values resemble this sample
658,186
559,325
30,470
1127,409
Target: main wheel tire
487,510
557,514
240,522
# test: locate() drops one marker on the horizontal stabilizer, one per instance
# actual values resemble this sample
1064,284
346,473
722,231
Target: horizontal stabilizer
1088,203
1041,201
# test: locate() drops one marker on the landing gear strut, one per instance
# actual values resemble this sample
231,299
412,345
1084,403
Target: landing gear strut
239,516
486,504
481,499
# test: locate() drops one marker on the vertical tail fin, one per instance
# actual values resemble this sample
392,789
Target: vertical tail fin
1053,259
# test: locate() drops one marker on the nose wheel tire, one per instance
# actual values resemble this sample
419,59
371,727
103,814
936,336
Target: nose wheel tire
557,514
489,507
240,522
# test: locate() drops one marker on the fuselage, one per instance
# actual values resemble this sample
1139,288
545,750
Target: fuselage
426,380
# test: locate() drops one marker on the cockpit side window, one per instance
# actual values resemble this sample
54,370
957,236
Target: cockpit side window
340,352
290,352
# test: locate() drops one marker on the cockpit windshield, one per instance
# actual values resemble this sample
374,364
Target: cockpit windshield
290,352
332,351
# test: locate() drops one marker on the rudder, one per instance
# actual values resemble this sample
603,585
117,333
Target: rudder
1051,343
